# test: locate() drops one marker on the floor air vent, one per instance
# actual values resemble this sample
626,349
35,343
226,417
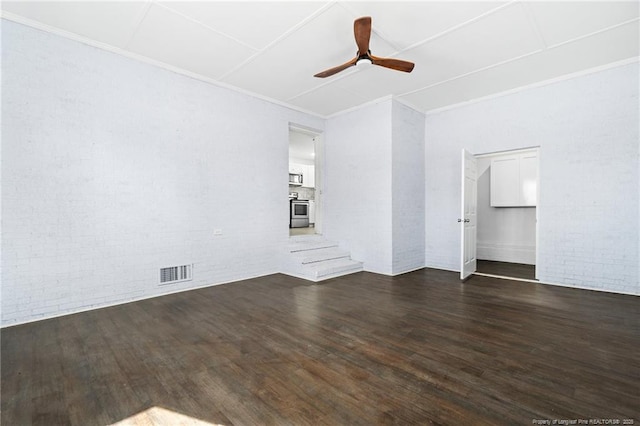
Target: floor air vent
175,274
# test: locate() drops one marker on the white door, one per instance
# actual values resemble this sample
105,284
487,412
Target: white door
468,215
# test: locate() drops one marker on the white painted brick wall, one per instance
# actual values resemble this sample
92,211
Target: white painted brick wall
113,169
587,128
357,183
408,188
374,185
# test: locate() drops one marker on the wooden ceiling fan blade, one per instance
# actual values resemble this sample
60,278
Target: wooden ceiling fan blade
394,64
362,32
335,70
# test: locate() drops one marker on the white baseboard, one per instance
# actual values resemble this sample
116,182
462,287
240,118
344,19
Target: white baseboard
506,253
406,271
93,307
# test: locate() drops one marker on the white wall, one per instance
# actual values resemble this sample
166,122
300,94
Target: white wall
407,188
374,187
587,130
357,184
505,234
112,169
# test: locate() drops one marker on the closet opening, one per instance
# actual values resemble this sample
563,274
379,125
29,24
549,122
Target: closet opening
508,192
505,211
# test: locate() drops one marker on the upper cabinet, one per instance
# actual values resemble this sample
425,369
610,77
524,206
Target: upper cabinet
297,169
529,179
514,180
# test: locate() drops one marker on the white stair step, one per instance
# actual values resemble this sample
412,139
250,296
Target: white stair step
313,258
323,254
310,237
301,246
332,268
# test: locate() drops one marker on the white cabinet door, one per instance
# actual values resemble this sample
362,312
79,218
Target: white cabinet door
309,180
528,179
305,175
505,184
514,180
312,211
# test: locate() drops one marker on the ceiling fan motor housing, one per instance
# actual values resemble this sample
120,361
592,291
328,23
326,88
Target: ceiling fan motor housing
365,56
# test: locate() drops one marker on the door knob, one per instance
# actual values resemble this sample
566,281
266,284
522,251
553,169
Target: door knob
467,220
459,220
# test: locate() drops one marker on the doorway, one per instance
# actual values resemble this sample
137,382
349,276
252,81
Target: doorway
305,181
506,201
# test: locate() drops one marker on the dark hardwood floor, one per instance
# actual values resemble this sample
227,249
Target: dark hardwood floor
507,269
420,348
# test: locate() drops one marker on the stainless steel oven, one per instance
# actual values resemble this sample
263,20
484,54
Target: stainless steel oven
299,213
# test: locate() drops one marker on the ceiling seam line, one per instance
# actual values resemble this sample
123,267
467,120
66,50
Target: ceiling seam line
136,28
488,67
602,30
207,27
534,24
321,85
456,27
522,56
283,36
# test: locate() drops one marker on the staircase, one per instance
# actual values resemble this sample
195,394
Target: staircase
313,258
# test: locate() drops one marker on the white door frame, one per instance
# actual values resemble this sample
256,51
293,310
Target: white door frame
319,178
318,167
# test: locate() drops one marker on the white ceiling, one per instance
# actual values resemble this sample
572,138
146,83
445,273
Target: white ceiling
462,50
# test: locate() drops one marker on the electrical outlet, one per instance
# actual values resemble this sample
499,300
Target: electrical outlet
217,232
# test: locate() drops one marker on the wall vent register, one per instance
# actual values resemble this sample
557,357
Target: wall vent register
175,274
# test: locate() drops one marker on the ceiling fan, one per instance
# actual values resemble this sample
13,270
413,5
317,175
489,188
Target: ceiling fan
362,32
